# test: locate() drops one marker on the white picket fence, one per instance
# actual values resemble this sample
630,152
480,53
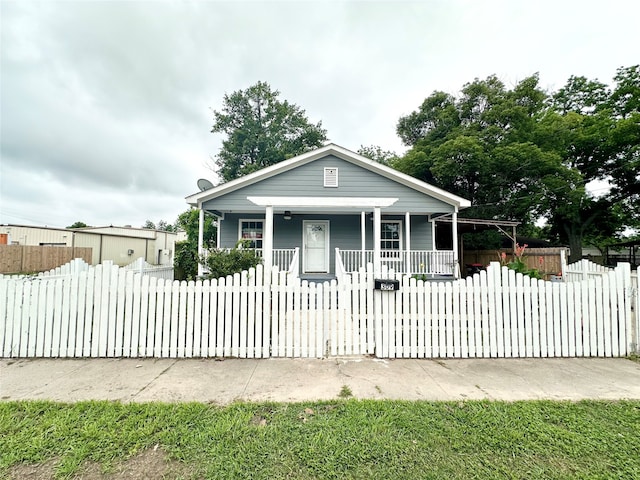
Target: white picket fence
584,270
111,312
145,268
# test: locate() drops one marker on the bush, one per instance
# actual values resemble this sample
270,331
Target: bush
221,263
185,261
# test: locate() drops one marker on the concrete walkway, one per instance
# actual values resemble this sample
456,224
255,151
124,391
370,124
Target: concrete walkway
287,380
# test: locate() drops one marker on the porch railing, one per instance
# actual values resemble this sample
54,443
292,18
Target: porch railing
284,258
427,262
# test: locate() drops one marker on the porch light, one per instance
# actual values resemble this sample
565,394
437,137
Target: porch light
287,215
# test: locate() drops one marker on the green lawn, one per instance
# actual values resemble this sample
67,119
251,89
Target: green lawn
342,439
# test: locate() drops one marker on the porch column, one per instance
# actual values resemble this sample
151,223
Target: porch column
267,237
433,234
377,260
218,232
407,243
454,228
363,233
200,240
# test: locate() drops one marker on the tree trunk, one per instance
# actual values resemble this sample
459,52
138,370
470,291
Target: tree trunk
574,237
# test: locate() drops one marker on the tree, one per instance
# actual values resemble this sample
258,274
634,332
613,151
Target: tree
524,154
479,146
162,226
261,130
377,154
78,225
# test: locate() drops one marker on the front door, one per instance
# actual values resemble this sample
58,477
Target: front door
316,246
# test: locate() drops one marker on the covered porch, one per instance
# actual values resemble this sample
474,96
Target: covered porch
339,235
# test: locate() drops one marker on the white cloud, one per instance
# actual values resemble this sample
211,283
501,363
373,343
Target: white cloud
105,107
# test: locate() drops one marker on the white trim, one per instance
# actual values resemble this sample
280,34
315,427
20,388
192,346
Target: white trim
363,232
454,234
407,243
341,153
267,238
433,234
327,244
377,256
399,249
322,202
200,240
240,220
218,230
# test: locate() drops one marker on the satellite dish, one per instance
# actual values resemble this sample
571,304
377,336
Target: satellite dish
204,184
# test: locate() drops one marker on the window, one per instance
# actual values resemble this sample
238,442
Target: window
251,230
391,235
330,177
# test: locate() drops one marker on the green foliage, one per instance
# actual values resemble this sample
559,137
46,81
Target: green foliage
186,257
261,130
78,225
162,225
221,263
518,263
377,154
485,240
340,439
185,261
524,154
345,392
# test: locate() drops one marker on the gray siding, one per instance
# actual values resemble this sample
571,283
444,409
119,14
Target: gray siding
344,231
307,180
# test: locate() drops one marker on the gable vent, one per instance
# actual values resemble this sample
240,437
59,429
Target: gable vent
330,177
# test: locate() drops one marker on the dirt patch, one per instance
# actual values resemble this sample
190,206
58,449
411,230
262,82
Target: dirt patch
152,464
40,471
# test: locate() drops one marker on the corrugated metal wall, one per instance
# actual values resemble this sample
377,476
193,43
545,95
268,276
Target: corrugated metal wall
19,235
121,245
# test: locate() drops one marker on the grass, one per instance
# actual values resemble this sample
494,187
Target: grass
353,439
345,392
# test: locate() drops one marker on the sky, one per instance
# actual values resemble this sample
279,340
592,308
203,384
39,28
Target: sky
106,107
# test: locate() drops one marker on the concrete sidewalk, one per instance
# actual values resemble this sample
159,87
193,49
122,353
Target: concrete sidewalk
287,380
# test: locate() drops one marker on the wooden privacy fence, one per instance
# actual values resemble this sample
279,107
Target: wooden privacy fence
548,261
29,258
107,311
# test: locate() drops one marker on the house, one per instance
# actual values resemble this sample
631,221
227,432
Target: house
330,211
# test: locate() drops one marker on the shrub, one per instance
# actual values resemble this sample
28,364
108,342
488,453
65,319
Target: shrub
185,261
222,262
